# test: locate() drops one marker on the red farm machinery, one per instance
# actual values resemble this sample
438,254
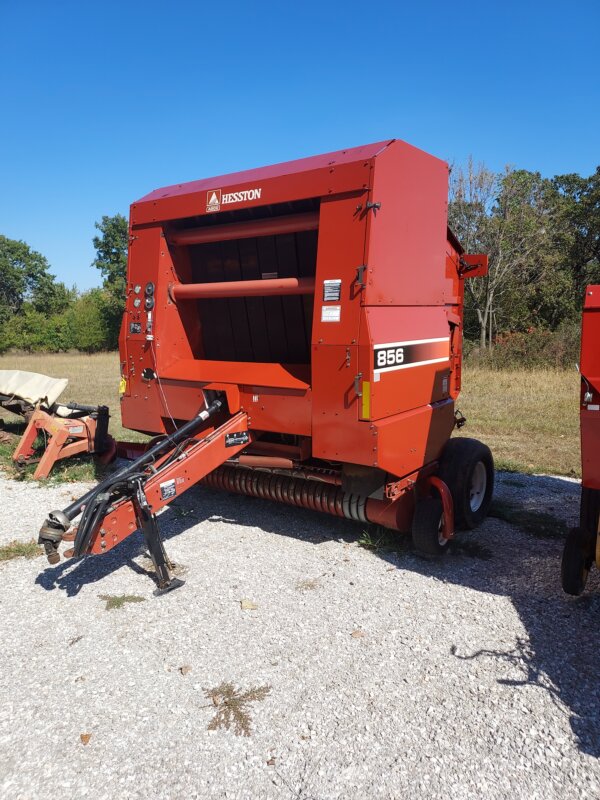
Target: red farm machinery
294,333
582,547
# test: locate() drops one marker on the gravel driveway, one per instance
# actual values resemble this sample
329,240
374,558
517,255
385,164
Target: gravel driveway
356,673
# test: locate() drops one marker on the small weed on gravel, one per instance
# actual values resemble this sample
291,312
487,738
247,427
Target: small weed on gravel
232,707
17,549
379,539
119,600
539,524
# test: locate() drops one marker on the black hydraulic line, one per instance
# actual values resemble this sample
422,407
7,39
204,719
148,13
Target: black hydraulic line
159,449
96,501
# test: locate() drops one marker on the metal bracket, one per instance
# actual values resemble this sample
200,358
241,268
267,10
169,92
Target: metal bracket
459,420
357,380
360,275
375,206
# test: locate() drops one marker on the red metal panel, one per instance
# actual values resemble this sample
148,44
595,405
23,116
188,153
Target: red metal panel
337,433
590,389
407,441
286,376
422,375
286,169
346,178
275,409
407,235
341,252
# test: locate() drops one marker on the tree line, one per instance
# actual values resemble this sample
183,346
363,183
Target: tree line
39,313
542,236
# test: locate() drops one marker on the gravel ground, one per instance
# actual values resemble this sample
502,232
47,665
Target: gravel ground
389,676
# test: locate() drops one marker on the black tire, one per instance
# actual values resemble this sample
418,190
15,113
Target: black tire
577,558
426,527
463,464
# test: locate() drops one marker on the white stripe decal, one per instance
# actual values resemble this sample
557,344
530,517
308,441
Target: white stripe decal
415,364
412,341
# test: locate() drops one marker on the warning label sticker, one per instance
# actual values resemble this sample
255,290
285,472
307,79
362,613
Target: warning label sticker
167,489
331,313
237,438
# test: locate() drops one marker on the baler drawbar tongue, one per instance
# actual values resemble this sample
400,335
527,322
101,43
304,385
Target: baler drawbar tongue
128,499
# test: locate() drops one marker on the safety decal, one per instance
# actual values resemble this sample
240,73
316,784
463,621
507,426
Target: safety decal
331,313
417,353
237,438
168,489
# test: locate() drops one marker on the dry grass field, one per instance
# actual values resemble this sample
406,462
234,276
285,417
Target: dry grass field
528,418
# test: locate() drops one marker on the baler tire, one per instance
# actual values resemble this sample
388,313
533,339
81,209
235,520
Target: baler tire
427,527
576,561
460,459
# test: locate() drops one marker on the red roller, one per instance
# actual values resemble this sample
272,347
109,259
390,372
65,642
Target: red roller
294,223
262,288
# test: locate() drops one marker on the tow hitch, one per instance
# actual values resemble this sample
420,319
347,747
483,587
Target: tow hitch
128,499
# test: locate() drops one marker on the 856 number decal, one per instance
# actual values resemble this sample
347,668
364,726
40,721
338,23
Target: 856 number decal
389,357
416,353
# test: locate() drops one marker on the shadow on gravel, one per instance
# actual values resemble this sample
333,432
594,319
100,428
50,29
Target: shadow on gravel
560,653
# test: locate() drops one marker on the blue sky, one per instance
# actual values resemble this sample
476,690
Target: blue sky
104,101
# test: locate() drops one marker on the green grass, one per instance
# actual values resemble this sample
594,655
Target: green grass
118,600
17,549
529,418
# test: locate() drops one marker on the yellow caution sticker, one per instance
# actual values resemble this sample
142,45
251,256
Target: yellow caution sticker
122,386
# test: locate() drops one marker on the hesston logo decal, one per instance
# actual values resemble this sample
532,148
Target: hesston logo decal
416,353
215,198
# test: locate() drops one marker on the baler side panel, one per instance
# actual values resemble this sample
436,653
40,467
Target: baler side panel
406,385
407,441
142,407
337,434
590,370
407,235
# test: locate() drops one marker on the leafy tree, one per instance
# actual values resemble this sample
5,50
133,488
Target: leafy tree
87,324
23,276
111,252
509,217
53,298
578,229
